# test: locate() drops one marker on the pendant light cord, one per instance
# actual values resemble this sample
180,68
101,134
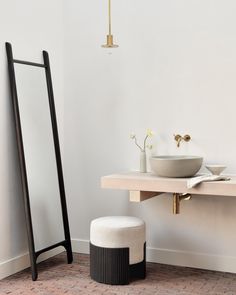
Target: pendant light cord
109,12
109,43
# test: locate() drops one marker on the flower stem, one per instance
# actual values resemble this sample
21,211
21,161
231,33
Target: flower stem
144,143
135,140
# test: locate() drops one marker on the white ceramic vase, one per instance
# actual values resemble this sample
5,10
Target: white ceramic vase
143,162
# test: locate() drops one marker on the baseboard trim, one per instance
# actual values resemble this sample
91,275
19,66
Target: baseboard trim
176,257
80,246
21,262
165,256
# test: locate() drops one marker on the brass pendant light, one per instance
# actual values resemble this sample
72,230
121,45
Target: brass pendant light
109,43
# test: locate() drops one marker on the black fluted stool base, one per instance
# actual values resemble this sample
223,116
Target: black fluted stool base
111,265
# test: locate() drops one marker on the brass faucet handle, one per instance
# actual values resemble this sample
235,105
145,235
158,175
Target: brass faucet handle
187,137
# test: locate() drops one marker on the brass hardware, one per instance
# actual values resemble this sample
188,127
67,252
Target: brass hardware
177,198
109,43
179,138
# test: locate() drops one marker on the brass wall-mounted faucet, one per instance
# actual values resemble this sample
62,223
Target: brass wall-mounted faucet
179,138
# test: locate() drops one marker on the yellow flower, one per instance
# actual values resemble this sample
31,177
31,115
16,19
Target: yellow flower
149,146
150,133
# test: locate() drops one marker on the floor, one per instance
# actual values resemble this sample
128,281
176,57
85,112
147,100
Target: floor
56,278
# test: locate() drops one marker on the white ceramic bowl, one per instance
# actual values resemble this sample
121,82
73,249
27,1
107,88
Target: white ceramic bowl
216,169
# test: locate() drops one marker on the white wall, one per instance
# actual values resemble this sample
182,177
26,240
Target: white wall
174,72
30,26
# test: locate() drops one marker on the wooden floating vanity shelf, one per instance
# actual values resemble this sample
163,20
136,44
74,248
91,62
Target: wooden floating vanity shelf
143,186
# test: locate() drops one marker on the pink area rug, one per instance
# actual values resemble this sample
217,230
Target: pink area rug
57,278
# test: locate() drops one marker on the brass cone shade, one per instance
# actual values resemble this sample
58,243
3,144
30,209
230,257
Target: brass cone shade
109,43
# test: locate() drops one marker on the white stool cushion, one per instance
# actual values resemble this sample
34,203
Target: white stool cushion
120,232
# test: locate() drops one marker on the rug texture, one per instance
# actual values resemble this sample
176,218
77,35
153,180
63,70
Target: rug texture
57,278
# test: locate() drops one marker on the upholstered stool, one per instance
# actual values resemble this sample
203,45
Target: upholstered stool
117,249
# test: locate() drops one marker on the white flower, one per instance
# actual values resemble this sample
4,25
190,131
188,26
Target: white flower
132,135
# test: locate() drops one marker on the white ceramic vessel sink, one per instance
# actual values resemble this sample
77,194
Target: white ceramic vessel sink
176,166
